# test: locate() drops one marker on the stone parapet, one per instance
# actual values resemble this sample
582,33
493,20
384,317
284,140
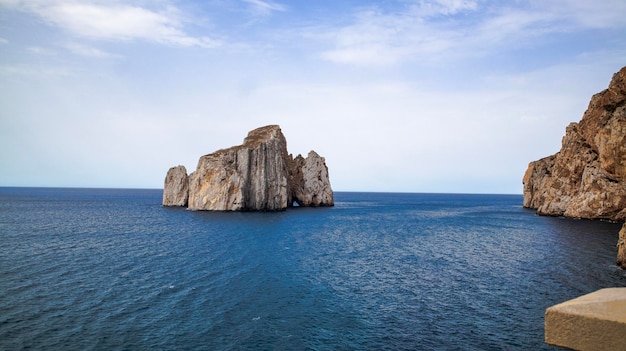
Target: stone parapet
596,321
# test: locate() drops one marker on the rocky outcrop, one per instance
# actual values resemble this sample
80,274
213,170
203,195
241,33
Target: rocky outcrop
176,189
587,177
259,175
309,181
252,176
621,248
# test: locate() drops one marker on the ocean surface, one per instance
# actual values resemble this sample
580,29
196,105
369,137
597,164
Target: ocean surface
107,269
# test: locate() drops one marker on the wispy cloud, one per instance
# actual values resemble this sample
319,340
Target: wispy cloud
88,51
432,30
38,50
444,7
378,38
3,41
588,14
264,8
34,71
114,21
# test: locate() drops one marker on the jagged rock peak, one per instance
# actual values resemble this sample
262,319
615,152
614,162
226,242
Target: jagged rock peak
310,182
263,134
258,175
587,177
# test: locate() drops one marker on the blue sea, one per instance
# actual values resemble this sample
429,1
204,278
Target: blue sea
111,269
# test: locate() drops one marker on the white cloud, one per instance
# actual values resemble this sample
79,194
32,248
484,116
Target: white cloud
113,21
377,38
589,14
454,6
264,8
35,71
3,41
38,50
435,30
88,51
444,7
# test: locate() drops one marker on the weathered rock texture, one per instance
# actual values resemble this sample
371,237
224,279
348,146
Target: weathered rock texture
587,177
258,175
176,189
252,176
621,248
309,181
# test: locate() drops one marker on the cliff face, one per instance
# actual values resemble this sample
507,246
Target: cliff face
621,248
258,175
587,177
251,176
176,191
309,181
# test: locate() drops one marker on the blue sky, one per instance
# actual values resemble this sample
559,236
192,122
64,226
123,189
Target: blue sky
408,96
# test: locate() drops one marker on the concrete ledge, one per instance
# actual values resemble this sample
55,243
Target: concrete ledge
596,321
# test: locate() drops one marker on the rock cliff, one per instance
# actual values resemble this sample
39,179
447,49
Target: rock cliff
621,247
259,175
309,181
176,190
587,177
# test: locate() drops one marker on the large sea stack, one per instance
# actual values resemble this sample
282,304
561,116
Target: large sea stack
259,175
176,190
587,177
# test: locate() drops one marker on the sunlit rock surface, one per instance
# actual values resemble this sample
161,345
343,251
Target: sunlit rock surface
587,177
309,181
259,175
176,188
621,248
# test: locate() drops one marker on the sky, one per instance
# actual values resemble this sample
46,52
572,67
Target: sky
452,96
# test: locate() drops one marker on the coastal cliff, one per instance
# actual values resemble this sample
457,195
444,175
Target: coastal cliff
621,247
259,175
587,177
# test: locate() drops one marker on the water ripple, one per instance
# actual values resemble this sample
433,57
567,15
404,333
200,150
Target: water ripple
96,269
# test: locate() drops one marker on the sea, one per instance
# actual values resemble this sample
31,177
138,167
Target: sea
112,269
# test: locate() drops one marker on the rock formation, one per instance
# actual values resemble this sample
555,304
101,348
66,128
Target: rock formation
176,190
309,181
258,175
587,177
621,248
252,176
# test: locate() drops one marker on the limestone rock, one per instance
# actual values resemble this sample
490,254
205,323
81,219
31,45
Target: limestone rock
176,188
251,176
310,182
587,177
258,175
621,248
